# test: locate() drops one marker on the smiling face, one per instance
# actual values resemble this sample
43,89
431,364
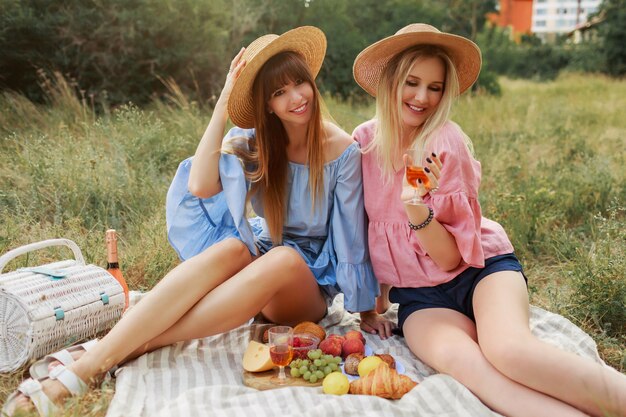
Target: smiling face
293,102
422,91
288,93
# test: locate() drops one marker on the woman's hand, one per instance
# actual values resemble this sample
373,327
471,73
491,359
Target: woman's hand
432,171
373,323
382,301
234,70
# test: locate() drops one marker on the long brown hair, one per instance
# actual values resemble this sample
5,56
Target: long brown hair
268,152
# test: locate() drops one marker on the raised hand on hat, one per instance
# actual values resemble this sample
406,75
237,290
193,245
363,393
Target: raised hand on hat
234,70
204,180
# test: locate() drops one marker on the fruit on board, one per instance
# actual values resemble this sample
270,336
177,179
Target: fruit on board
331,346
312,328
303,343
354,334
336,383
352,346
315,367
368,364
257,357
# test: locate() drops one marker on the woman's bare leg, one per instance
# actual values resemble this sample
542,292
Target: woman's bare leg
279,282
446,340
502,313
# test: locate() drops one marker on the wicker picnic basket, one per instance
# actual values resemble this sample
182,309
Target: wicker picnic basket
45,308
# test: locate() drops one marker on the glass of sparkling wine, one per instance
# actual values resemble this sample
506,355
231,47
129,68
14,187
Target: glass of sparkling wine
415,172
281,350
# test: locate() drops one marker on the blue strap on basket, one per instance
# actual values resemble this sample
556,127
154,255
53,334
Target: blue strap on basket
59,313
104,297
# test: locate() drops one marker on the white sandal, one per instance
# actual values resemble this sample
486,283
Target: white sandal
32,389
40,369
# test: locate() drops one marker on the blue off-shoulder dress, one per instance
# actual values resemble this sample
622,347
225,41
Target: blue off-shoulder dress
331,239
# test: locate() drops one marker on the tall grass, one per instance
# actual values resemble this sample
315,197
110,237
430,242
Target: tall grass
552,157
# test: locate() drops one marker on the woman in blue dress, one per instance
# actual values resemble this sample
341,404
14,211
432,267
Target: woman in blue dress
302,176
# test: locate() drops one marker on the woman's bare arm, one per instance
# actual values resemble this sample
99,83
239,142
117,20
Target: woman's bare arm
204,178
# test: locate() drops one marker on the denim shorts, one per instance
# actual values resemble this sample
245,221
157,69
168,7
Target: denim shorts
456,294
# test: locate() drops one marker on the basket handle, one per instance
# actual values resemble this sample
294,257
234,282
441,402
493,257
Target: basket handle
12,254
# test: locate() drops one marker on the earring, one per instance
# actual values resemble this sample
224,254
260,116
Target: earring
270,112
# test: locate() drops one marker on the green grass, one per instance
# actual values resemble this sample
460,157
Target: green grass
552,157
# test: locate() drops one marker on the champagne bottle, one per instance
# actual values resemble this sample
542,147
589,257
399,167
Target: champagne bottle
113,266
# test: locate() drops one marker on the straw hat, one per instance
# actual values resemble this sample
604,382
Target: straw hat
370,63
308,41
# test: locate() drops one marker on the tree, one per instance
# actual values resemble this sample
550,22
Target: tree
467,17
117,50
613,32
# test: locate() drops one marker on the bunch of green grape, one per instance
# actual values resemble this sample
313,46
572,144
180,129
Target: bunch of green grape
316,367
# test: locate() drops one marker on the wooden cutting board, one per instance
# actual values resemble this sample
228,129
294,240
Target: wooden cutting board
262,380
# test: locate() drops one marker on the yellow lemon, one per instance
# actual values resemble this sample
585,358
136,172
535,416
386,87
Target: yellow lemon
368,364
336,383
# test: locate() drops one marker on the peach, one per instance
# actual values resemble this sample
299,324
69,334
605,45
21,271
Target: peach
355,334
352,346
330,346
336,336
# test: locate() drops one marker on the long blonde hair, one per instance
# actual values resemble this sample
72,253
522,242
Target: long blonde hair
266,162
387,143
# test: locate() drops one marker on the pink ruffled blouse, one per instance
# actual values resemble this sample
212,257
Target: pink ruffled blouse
397,256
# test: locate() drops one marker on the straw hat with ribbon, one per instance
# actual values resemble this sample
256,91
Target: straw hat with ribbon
370,63
308,41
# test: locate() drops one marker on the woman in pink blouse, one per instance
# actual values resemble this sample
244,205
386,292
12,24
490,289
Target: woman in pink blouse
463,300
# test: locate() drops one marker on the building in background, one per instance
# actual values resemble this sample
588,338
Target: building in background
552,18
547,19
586,31
515,15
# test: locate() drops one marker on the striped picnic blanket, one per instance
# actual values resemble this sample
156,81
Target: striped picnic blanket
204,377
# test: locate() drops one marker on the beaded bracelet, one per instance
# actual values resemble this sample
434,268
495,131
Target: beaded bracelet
425,223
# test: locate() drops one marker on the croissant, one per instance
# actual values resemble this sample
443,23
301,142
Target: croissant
388,359
383,382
